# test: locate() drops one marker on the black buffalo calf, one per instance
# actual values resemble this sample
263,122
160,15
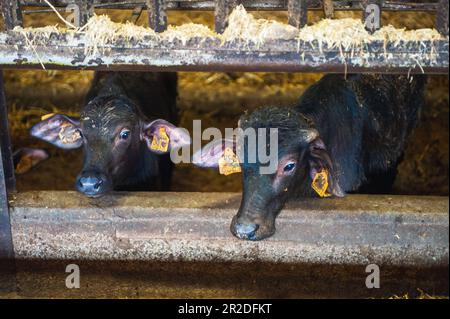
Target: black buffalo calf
345,135
126,130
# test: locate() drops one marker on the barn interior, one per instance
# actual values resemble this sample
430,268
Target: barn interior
218,99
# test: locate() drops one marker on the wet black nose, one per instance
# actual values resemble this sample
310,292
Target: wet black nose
92,183
245,231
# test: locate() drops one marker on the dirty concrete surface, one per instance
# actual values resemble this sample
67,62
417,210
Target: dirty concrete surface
178,245
358,229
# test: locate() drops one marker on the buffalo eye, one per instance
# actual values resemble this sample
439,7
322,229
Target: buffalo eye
289,167
124,134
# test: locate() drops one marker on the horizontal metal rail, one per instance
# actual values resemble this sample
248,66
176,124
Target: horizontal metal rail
63,52
398,5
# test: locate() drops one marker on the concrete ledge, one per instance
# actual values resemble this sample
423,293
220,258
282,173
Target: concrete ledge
356,230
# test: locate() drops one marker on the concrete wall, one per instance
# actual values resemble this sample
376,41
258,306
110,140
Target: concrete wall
173,244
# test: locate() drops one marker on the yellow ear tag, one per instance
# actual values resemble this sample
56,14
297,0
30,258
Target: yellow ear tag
46,116
229,163
320,183
160,141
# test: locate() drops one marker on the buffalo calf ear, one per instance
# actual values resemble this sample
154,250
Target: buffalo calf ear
27,158
161,136
321,171
59,130
211,153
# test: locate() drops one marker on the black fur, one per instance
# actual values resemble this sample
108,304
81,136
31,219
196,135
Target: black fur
116,97
363,122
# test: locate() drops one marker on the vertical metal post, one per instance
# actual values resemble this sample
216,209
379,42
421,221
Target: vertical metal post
222,10
328,9
157,17
372,14
137,11
12,16
86,10
297,13
442,17
7,265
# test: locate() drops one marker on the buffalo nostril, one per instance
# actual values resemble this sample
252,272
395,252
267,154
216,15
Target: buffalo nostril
246,231
98,184
90,184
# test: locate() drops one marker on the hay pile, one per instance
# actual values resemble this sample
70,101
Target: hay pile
350,33
100,30
346,33
244,26
188,31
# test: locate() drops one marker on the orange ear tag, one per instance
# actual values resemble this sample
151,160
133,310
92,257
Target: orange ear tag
320,183
160,142
46,116
229,163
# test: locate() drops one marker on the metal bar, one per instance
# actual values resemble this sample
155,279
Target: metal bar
199,54
297,13
222,10
442,17
328,9
252,4
12,15
5,141
86,10
7,265
372,14
157,17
